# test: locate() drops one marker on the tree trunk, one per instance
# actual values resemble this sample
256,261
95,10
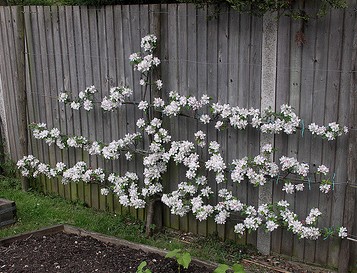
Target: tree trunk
154,208
151,217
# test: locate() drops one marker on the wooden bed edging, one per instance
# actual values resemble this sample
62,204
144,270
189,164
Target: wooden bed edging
24,236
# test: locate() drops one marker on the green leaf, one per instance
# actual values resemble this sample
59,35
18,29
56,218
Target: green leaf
184,260
141,267
222,268
173,253
238,268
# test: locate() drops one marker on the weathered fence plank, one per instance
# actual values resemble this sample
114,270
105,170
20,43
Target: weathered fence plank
337,211
6,72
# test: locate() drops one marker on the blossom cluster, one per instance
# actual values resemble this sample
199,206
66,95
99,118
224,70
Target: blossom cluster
284,121
191,196
267,121
108,151
183,152
257,169
200,138
194,194
292,166
32,167
126,189
215,162
117,96
290,220
235,116
155,163
144,63
149,42
85,99
177,103
80,172
224,115
329,132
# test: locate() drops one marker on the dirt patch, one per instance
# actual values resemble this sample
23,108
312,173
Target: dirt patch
63,252
69,249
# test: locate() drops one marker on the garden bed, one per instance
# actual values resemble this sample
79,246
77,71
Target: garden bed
68,249
65,248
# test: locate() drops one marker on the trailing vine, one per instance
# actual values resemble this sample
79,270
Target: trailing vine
291,8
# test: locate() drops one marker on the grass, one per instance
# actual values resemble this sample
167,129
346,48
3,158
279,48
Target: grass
35,211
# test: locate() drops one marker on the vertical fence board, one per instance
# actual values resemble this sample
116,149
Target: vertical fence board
183,63
51,92
61,114
103,89
342,149
80,86
111,80
87,118
244,65
67,115
12,29
173,84
334,43
192,84
282,96
233,98
222,90
6,69
318,100
3,83
254,101
38,77
305,108
75,155
45,91
96,125
212,74
202,32
120,74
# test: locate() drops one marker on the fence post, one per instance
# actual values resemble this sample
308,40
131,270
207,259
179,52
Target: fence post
21,87
268,90
350,195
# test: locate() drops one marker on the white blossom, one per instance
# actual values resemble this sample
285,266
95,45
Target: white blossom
159,84
143,105
342,232
323,169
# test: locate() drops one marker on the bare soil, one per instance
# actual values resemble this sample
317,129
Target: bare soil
63,252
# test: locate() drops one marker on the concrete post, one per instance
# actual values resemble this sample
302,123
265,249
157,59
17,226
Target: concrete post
268,92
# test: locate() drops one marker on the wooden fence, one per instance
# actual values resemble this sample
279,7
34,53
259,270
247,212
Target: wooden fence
225,56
